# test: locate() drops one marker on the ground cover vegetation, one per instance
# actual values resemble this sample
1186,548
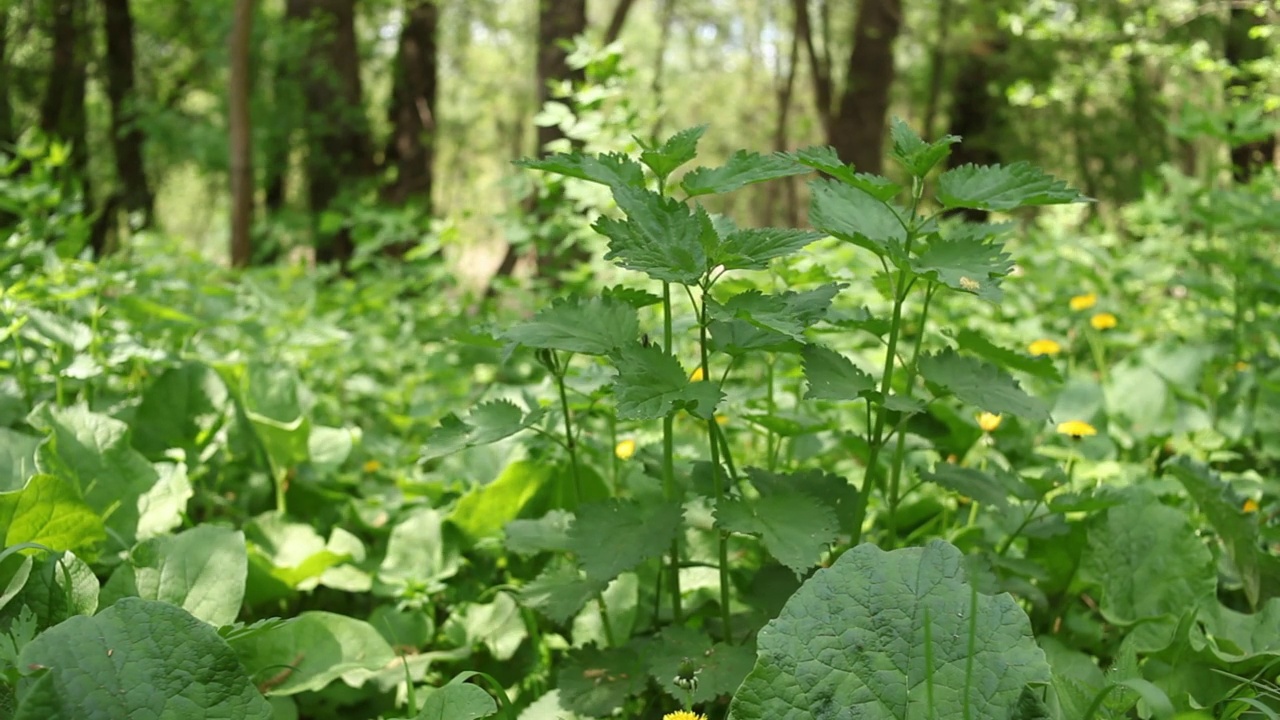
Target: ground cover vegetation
948,390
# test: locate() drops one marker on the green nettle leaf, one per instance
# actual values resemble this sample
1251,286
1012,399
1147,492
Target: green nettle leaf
660,236
1003,187
201,570
560,592
457,701
310,651
49,511
825,159
720,668
548,533
977,383
1239,530
634,297
832,376
487,423
612,169
676,151
597,682
917,156
595,326
890,636
614,536
753,248
1031,707
651,384
1041,366
793,526
17,459
1148,561
137,658
854,216
744,168
968,265
787,313
833,490
739,337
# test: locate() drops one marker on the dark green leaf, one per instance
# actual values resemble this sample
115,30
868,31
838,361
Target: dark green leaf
560,592
917,156
968,265
488,422
788,313
825,159
1003,187
595,326
201,570
676,151
651,385
834,491
612,169
987,487
739,337
457,701
832,376
743,168
1041,366
596,683
659,237
977,383
614,536
753,248
547,533
719,667
793,526
634,297
854,216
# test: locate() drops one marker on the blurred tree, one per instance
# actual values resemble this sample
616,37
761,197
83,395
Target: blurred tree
977,111
240,125
6,103
126,132
1242,48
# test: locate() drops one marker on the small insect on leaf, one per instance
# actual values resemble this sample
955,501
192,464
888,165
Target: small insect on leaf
970,284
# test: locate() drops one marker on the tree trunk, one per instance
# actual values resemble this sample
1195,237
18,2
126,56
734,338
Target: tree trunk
127,136
6,108
977,110
617,21
1250,156
339,156
239,122
857,131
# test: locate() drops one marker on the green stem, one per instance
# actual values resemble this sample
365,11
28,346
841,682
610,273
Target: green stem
668,461
570,443
712,437
24,373
1008,542
771,406
899,454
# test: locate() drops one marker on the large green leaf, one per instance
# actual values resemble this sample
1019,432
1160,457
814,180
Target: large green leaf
183,408
201,570
965,264
795,527
917,156
977,383
487,423
276,406
486,508
1002,187
1147,560
422,550
678,149
612,169
852,215
49,511
753,248
832,376
596,326
137,659
310,651
614,536
457,701
744,168
1236,637
651,384
892,635
285,556
660,236
17,459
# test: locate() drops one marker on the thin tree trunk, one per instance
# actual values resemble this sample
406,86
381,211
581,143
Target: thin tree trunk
1250,156
858,129
617,21
239,122
819,66
6,107
781,132
937,60
976,110
127,135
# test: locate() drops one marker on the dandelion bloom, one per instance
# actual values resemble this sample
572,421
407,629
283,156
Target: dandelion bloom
1103,321
683,715
1044,347
372,466
1250,505
697,375
989,421
625,449
1084,302
1241,366
1077,429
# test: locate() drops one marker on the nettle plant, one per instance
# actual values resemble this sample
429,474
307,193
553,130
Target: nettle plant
892,634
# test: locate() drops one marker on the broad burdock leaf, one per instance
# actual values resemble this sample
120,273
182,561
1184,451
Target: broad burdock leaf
914,154
1041,366
720,668
852,215
560,592
457,701
652,384
17,459
54,587
201,570
135,659
487,423
977,383
1148,561
871,635
594,326
788,313
597,682
548,533
1236,637
744,168
422,551
49,511
678,149
1003,187
1240,532
753,248
612,169
793,526
964,264
660,236
614,536
277,406
310,651
832,376
825,159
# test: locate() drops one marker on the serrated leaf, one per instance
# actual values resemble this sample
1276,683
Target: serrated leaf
985,487
612,169
1041,366
917,156
660,236
739,337
548,533
743,168
833,490
560,592
826,160
977,383
487,423
652,384
719,667
793,526
1003,187
832,376
614,536
753,248
679,149
788,313
634,297
862,639
597,682
457,701
595,326
852,215
964,264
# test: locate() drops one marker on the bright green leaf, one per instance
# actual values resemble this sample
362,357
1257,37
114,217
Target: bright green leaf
659,237
832,376
560,592
825,159
422,550
201,570
744,168
486,508
596,326
854,216
487,423
54,587
612,169
310,651
917,156
977,383
678,149
652,384
50,512
17,459
1002,187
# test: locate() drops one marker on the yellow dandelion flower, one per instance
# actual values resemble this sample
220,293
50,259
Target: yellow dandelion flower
989,421
722,419
1241,366
1103,321
1044,346
625,449
683,715
697,375
371,466
1250,506
1077,429
1084,302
